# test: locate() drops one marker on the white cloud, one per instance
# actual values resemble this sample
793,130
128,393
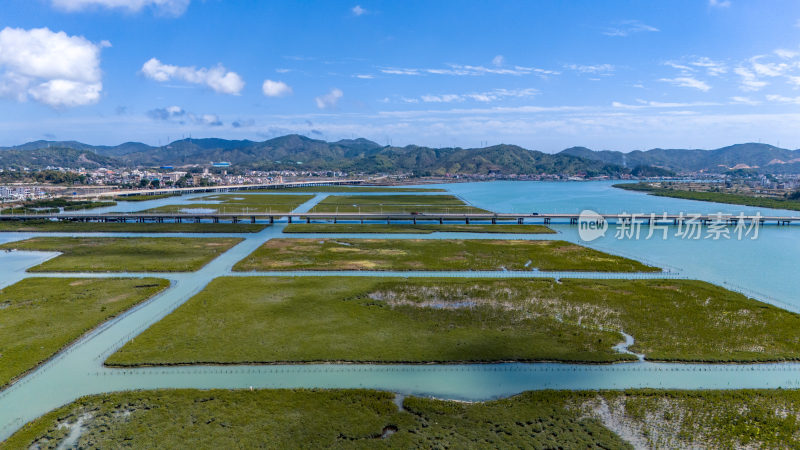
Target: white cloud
769,69
689,66
642,104
688,82
66,93
783,99
782,64
217,78
178,115
210,120
393,71
469,70
712,67
719,3
601,69
364,76
794,79
445,98
170,112
358,10
498,60
490,96
678,66
52,68
786,54
169,7
749,81
745,101
330,99
628,27
275,88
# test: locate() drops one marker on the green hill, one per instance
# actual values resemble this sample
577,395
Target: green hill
762,158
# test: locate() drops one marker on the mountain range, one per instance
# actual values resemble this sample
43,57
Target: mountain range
762,158
293,152
364,156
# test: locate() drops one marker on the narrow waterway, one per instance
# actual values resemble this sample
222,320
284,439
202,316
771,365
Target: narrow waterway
79,369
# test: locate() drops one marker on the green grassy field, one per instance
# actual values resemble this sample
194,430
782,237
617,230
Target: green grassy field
143,197
359,418
95,227
316,419
412,229
310,319
240,202
53,205
717,197
703,419
39,316
439,254
356,189
395,204
106,254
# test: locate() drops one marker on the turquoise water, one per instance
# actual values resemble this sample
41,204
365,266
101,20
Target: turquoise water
764,268
573,197
763,265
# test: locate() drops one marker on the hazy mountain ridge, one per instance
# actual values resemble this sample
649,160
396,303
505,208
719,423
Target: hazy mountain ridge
761,157
362,155
57,157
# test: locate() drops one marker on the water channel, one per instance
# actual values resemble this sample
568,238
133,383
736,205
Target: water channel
762,267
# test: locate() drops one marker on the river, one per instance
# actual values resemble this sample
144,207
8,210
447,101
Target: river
762,266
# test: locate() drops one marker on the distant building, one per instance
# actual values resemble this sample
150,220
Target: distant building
21,193
173,176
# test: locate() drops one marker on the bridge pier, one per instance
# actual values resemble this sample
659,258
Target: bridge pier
308,220
520,221
271,219
573,220
290,219
414,219
441,221
547,221
466,219
494,221
252,219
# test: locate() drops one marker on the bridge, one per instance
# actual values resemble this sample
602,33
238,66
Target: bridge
441,218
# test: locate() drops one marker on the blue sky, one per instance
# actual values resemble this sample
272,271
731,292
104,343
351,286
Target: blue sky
546,75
